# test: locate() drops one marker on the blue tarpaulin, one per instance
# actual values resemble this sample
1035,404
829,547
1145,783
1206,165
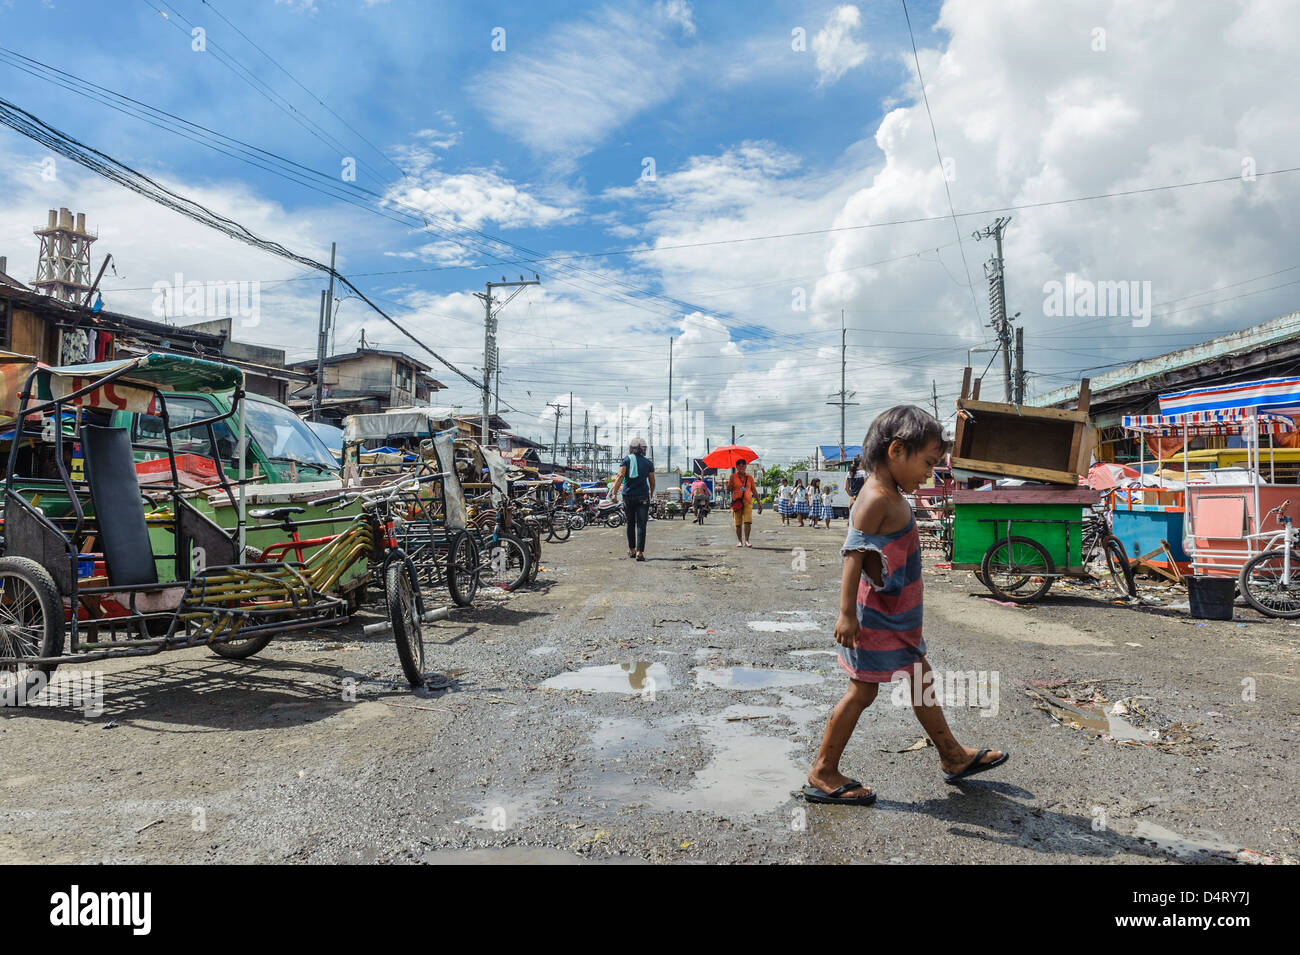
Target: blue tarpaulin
831,452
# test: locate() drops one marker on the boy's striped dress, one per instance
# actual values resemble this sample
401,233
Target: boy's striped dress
889,640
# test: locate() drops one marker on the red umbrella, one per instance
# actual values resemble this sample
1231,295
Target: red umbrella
727,456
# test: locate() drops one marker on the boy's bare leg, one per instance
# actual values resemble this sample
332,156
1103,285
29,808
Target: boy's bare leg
953,757
747,527
825,773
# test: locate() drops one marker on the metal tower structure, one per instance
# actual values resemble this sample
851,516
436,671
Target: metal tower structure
63,263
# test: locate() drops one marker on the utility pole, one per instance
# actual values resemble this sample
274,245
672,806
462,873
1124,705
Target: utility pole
327,314
689,463
844,395
650,430
1020,366
733,434
490,340
586,441
556,442
670,404
320,362
993,271
568,457
934,391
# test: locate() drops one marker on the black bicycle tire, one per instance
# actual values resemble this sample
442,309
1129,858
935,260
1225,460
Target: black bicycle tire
42,584
462,592
404,617
1243,585
1113,548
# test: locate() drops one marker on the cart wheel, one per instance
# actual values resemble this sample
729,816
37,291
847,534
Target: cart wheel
31,622
403,613
462,569
507,562
535,556
1121,574
560,529
1017,569
1261,584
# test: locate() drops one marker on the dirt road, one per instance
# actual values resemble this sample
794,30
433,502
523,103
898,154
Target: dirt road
666,711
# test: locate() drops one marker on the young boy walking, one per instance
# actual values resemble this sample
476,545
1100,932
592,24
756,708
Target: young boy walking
879,627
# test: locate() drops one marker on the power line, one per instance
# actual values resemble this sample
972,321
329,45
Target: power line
942,174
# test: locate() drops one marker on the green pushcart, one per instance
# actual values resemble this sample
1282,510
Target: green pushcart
1018,540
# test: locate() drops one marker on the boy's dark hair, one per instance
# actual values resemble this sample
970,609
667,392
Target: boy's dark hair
914,427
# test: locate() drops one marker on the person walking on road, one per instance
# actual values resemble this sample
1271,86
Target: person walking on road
799,497
743,494
783,505
636,474
879,630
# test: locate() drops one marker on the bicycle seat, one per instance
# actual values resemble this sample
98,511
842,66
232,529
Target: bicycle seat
274,513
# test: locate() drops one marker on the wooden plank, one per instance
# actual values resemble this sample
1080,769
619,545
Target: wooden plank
1017,470
1025,411
1173,564
965,382
1081,496
1085,396
975,390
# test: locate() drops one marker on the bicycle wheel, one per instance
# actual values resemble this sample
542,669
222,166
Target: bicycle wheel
31,621
400,589
559,526
1263,587
1121,574
1017,569
462,569
507,561
534,540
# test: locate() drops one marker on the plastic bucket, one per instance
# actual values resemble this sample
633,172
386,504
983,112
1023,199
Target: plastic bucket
1210,598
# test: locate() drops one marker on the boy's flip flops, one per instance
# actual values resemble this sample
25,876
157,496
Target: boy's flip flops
976,766
813,794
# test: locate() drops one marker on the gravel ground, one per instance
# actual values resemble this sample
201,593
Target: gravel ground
667,711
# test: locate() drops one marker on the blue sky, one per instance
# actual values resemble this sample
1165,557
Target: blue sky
547,143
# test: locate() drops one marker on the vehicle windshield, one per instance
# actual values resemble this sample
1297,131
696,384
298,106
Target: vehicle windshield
283,436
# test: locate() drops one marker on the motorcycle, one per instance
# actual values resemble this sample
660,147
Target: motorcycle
610,513
701,508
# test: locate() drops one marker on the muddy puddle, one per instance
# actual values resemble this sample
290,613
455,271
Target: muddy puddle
1187,848
1093,719
752,678
783,626
813,653
638,677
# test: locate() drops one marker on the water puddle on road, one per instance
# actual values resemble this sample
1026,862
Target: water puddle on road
639,677
1182,847
543,651
783,626
752,678
1092,720
813,653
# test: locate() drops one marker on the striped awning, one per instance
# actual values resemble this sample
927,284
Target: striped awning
1199,423
1267,394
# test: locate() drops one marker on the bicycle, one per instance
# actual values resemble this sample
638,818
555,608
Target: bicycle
1269,581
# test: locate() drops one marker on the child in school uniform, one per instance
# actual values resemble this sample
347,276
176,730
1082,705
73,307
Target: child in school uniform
879,627
800,498
783,506
815,500
828,506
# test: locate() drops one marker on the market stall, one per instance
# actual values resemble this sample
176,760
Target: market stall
1149,520
1223,523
